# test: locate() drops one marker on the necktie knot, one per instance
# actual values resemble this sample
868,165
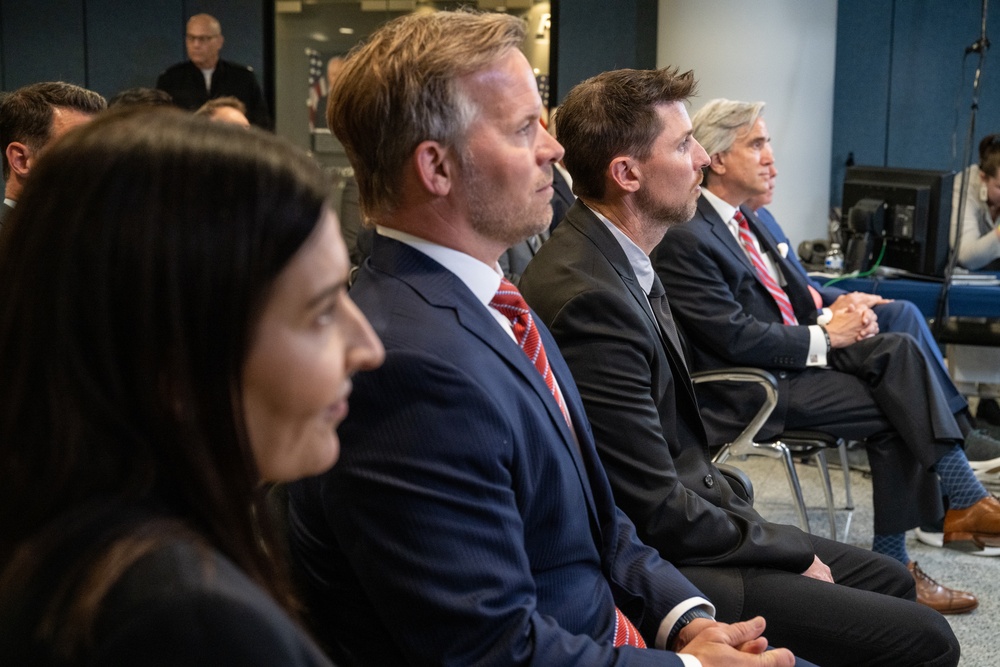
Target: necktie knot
511,304
656,289
741,220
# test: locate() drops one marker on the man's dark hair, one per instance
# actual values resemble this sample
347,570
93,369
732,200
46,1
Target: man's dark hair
141,97
989,155
612,114
26,113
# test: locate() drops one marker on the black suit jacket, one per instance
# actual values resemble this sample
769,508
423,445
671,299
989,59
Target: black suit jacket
562,197
186,84
731,318
638,395
182,604
4,212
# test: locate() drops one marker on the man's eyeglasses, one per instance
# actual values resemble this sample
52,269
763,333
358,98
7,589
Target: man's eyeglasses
200,39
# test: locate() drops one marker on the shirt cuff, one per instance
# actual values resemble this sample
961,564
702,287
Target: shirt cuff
675,614
817,346
689,660
824,317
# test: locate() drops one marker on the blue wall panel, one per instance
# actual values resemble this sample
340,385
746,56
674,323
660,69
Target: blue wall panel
109,45
597,35
903,89
32,54
932,83
861,86
129,43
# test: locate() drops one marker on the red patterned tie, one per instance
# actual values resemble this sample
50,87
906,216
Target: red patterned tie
513,306
508,300
625,632
778,294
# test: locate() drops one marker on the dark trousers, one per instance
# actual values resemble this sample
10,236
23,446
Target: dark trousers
868,617
883,390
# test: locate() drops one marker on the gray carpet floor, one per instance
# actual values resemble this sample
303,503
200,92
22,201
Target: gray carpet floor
978,632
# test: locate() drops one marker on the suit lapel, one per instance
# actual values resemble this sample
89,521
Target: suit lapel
443,289
793,286
721,230
788,277
588,224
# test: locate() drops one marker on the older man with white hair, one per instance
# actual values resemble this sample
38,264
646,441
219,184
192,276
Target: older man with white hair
743,304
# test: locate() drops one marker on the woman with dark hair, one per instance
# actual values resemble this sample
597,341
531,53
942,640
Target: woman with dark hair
980,246
175,334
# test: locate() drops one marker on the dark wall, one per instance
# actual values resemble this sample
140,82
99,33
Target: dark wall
903,88
109,45
597,35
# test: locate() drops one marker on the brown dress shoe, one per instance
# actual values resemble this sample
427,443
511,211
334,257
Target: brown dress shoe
974,527
940,598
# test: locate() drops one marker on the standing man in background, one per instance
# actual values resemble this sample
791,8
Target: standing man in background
204,75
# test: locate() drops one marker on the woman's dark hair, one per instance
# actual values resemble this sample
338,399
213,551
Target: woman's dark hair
133,271
989,155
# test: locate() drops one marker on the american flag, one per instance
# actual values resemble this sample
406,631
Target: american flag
317,85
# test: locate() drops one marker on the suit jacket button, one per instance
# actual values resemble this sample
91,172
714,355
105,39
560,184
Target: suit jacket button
709,481
783,374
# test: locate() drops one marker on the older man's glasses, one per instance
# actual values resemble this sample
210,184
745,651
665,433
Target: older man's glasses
200,39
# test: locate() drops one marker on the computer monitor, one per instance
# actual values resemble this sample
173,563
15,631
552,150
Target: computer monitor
907,210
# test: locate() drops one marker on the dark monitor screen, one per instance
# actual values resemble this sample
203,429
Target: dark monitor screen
907,210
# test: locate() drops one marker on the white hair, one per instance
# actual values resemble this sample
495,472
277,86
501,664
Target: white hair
717,124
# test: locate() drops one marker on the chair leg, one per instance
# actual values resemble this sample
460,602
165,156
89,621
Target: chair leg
775,450
824,473
845,466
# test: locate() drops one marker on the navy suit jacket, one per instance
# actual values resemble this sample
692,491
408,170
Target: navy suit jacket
465,523
730,317
562,197
768,222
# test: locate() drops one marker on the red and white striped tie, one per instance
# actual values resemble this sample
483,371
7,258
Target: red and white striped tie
508,300
778,294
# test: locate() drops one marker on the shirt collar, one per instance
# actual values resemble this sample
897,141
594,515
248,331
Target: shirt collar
725,210
637,259
480,278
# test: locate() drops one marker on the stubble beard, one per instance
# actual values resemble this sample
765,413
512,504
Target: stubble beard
493,216
664,214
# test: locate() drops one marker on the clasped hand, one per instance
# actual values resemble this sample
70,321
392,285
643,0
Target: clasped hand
730,645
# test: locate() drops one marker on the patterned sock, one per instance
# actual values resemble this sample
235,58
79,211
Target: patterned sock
892,545
958,481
